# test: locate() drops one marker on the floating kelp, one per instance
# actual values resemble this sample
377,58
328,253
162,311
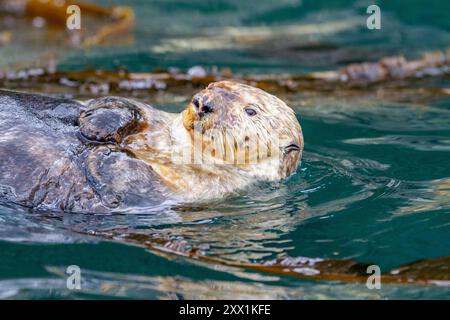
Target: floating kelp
396,68
392,74
423,272
54,12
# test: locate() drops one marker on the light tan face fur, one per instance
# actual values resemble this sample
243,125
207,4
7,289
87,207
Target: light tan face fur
246,127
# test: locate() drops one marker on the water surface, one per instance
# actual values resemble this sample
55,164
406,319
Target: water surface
373,186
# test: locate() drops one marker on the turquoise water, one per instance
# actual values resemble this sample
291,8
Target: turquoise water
374,184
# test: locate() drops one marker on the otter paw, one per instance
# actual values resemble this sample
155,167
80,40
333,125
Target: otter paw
109,120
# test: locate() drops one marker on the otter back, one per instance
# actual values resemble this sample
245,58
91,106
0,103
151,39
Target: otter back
45,165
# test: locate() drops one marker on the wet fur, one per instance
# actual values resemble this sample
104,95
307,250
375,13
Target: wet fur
115,153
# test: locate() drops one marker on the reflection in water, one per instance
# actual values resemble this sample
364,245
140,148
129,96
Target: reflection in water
383,115
420,143
248,228
109,285
253,37
427,196
182,288
252,226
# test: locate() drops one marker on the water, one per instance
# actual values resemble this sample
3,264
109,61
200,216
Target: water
374,184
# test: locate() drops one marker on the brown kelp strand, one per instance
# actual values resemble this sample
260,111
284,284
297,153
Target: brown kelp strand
423,272
116,20
390,71
395,68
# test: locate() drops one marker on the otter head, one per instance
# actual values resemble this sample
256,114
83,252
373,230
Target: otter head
240,125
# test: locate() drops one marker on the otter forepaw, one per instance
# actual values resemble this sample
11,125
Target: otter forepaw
109,120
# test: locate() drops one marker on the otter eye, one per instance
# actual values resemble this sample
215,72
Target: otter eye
250,111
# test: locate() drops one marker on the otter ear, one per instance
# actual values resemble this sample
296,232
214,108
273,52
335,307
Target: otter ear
109,120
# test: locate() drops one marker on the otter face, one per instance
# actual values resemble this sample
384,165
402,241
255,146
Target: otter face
244,126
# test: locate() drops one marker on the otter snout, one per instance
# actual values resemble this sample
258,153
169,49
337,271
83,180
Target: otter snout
202,108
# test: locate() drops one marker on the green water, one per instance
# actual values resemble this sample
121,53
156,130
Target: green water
374,184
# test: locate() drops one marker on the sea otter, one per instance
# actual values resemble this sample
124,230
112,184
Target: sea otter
112,154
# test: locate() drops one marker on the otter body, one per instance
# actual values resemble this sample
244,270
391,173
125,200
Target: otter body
47,163
111,153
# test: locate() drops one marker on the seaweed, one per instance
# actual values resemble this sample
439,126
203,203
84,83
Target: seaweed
120,18
394,74
423,272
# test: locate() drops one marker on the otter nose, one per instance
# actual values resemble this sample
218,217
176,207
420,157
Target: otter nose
202,108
